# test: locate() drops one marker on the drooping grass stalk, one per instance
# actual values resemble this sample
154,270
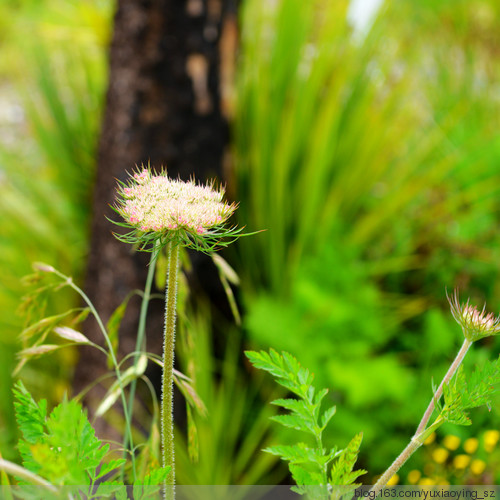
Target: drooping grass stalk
167,424
141,332
128,419
422,431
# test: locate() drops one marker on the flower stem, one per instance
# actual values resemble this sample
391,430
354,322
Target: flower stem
167,427
141,330
422,432
451,371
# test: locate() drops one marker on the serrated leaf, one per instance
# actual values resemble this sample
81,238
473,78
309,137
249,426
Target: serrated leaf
342,469
110,466
294,405
295,422
69,334
471,391
304,477
327,416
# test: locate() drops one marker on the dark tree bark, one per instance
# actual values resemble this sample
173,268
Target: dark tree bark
163,106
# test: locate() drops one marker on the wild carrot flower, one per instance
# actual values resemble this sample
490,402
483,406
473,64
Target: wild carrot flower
163,212
187,214
475,324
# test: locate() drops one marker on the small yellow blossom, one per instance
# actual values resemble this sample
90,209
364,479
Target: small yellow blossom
477,467
414,476
439,455
451,442
491,438
461,461
394,480
430,439
426,481
470,445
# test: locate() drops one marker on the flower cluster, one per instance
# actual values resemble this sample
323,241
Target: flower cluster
475,324
157,207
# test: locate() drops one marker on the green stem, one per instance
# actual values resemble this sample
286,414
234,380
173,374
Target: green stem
141,330
451,371
422,432
18,471
167,424
128,424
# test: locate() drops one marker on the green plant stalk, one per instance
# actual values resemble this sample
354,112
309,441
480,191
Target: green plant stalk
128,424
451,371
167,424
18,471
422,432
141,331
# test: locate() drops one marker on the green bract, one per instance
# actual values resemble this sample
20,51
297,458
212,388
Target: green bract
187,214
475,324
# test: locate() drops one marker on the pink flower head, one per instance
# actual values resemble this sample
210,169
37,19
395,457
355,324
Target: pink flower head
159,207
475,324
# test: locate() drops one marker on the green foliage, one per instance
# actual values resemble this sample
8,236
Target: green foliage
224,443
467,391
61,446
373,164
52,85
308,465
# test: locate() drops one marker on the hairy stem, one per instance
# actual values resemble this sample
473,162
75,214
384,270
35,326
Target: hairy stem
422,432
167,424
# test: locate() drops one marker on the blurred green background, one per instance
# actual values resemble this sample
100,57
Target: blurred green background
371,156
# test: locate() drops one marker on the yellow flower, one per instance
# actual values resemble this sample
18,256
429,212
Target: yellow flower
430,439
394,480
439,455
426,481
451,442
477,467
490,440
414,476
470,445
461,461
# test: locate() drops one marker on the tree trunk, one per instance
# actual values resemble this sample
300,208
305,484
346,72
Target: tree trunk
163,107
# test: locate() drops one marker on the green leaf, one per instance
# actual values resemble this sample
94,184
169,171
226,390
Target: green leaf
304,477
327,416
342,470
60,447
295,422
465,392
110,466
113,325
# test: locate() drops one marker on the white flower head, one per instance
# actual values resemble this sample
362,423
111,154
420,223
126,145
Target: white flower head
157,207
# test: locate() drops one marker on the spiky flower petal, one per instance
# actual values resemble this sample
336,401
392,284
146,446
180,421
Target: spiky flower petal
475,324
156,207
